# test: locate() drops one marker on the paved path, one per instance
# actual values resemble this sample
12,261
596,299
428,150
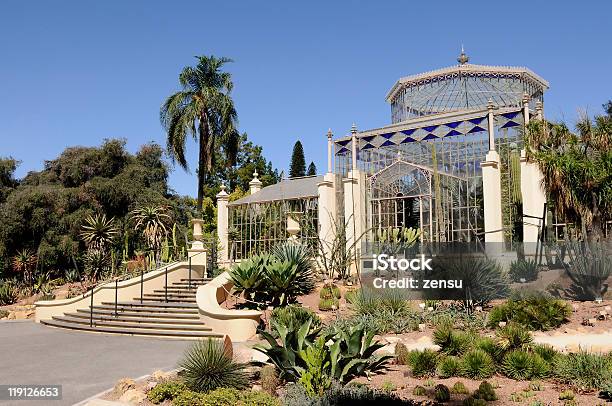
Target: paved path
83,363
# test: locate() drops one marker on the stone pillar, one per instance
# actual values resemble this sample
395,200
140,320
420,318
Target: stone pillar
491,188
526,108
330,168
354,147
197,252
539,110
222,226
255,184
354,211
534,199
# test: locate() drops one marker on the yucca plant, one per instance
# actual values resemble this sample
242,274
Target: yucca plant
98,232
513,337
451,341
24,262
477,364
517,365
523,270
545,351
8,293
97,262
448,367
282,282
153,222
207,366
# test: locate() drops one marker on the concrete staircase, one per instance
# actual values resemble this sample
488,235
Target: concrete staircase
175,315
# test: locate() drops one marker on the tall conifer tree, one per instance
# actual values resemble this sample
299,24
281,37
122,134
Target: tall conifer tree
298,162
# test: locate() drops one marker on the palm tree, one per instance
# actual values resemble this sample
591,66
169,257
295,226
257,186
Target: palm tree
152,221
576,169
24,262
98,232
204,110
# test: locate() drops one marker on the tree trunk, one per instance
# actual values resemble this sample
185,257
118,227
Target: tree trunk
203,130
594,231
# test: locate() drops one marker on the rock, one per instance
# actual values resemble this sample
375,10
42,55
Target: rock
256,388
422,306
422,326
478,308
430,308
123,385
608,308
392,340
159,375
151,385
386,350
502,324
575,307
11,316
133,397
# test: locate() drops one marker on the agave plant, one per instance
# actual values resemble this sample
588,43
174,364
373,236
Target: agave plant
248,278
98,232
24,262
8,293
299,255
152,221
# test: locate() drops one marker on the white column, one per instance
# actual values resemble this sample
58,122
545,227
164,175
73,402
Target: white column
354,147
197,252
534,199
491,187
327,199
526,108
330,168
255,183
539,110
222,226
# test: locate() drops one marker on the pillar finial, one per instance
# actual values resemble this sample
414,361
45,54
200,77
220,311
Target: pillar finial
463,58
329,134
255,184
525,98
353,129
490,104
354,147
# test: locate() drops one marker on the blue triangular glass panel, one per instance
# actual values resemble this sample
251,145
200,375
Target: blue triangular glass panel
430,128
409,132
343,142
453,133
387,143
476,129
387,135
510,124
368,146
454,124
476,120
510,116
408,139
368,138
429,137
342,151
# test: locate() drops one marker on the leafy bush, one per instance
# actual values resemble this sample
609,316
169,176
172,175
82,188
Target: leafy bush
207,366
225,397
485,392
533,311
388,387
606,391
422,363
513,337
166,391
459,388
269,379
441,393
293,316
521,365
448,367
584,369
315,378
477,364
523,269
8,294
326,304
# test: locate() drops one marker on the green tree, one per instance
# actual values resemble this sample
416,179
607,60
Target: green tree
577,169
204,110
312,169
153,222
7,179
298,162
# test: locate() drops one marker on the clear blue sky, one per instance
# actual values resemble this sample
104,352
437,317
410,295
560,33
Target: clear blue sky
76,72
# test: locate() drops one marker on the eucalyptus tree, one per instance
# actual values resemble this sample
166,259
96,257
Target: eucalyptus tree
204,110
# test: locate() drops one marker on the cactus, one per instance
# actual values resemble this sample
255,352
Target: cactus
165,252
419,391
459,388
441,393
566,395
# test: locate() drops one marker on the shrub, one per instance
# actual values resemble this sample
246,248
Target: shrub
422,363
328,304
545,351
518,365
269,379
489,345
166,391
459,388
338,395
533,311
315,377
451,342
4,313
225,397
485,392
350,296
8,294
606,391
207,366
513,337
584,369
293,316
329,291
388,387
477,364
566,395
448,367
441,393
523,269
419,391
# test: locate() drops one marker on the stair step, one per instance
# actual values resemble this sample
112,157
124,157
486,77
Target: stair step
169,295
200,280
140,314
178,289
132,331
154,304
149,300
131,324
